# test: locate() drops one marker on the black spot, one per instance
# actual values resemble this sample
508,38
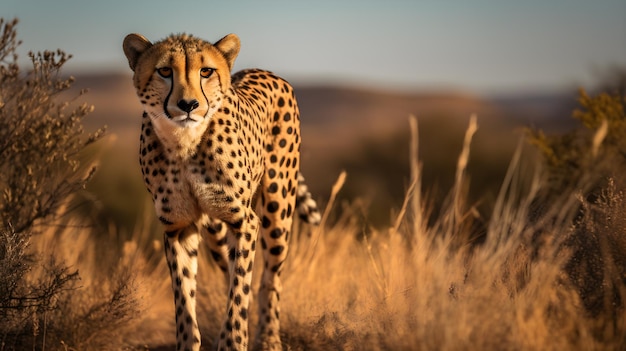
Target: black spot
272,206
281,102
277,250
240,271
214,229
244,253
275,130
276,233
237,224
271,173
272,188
216,256
276,268
265,222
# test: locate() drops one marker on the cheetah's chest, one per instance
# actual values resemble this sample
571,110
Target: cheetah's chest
184,188
174,201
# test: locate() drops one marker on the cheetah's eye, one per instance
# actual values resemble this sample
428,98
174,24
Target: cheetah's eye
206,72
165,72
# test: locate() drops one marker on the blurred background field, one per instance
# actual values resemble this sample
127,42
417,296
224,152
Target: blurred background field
362,131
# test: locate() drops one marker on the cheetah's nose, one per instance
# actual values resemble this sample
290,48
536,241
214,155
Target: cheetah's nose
188,106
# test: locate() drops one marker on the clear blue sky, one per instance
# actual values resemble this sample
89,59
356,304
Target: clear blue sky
483,46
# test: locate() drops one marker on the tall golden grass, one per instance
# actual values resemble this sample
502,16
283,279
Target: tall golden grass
417,285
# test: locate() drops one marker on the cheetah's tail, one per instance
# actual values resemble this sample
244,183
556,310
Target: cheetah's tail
307,207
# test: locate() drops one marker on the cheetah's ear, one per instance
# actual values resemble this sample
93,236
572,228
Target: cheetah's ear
134,46
229,46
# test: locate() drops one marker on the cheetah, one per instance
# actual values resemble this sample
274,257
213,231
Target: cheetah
211,145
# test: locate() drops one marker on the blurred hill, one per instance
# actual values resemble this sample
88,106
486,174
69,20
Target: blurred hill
361,130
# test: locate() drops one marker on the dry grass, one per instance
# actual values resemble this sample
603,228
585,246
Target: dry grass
428,288
415,286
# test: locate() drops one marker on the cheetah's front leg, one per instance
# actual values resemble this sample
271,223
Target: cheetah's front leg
214,233
181,251
241,249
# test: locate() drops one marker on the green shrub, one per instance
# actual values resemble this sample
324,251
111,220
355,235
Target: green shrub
591,154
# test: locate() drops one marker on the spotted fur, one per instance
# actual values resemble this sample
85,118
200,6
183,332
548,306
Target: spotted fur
210,145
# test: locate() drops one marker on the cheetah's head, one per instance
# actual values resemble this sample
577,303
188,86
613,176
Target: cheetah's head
181,80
